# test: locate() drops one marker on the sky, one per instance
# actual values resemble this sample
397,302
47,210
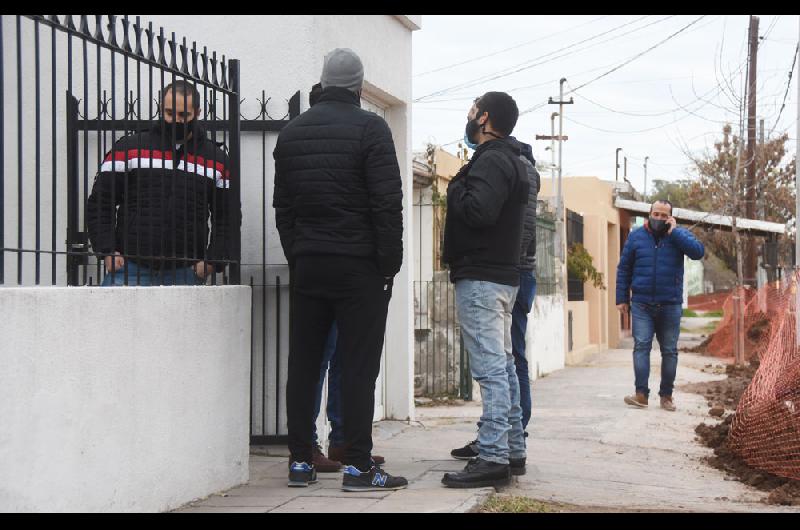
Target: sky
671,100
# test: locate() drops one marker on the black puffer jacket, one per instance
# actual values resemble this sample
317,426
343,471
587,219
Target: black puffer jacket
527,256
485,208
338,189
152,199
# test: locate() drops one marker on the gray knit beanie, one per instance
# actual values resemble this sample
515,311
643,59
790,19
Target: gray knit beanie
343,68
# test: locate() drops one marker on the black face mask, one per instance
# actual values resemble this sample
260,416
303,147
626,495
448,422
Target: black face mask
657,226
181,130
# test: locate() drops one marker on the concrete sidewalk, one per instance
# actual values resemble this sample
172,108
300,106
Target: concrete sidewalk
586,448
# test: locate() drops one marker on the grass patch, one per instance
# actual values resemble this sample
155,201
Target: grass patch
514,504
710,314
689,313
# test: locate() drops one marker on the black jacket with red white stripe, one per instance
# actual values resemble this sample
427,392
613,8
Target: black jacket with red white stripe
152,199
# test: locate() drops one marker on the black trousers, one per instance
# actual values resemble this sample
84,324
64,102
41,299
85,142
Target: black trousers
352,292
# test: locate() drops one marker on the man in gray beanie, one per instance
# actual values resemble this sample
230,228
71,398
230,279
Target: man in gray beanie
339,210
343,68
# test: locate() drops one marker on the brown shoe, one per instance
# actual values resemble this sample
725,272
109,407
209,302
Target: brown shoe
667,403
337,453
323,464
639,400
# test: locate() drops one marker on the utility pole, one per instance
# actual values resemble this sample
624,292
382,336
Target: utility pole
625,173
552,137
559,198
750,254
616,171
645,177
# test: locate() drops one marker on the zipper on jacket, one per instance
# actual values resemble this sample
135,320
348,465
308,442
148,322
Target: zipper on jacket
655,261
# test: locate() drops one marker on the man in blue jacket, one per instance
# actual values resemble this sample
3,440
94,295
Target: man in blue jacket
651,267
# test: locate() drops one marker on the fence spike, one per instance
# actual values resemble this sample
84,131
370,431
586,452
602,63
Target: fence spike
184,61
151,56
112,30
126,43
161,45
204,57
194,60
85,25
173,48
137,31
224,66
98,28
214,69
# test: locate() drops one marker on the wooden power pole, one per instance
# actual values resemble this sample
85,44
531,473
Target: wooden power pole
751,260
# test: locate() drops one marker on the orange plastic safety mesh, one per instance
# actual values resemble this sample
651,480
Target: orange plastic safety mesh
765,431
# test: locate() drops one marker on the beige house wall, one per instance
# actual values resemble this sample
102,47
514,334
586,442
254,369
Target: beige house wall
595,321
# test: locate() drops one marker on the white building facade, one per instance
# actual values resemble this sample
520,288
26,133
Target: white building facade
279,55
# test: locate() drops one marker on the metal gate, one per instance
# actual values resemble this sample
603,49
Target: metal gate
81,83
263,268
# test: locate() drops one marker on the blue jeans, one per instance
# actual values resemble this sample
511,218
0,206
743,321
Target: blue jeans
519,325
140,275
330,365
665,322
484,312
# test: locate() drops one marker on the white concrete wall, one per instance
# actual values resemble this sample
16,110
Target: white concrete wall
122,399
545,344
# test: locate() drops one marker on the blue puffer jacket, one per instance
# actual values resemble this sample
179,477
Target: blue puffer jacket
653,269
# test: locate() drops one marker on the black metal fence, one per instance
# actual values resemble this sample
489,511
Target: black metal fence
268,277
88,91
441,365
547,269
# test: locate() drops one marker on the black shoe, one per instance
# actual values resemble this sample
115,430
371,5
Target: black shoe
301,475
375,479
479,473
517,466
468,452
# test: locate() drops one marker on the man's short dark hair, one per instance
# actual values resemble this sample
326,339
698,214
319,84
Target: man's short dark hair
502,109
662,201
183,88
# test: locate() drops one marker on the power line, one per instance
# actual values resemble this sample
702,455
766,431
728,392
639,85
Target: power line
526,64
643,53
625,63
644,115
788,84
474,59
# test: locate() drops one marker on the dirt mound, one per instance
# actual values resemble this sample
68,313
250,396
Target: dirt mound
727,393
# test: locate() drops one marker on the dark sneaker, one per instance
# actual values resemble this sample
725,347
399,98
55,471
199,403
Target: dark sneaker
517,466
468,452
375,479
301,475
479,473
324,464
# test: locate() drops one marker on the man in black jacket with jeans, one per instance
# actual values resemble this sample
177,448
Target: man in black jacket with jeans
338,207
483,232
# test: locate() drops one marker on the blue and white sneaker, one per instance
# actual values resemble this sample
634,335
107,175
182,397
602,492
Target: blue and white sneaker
375,479
301,475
